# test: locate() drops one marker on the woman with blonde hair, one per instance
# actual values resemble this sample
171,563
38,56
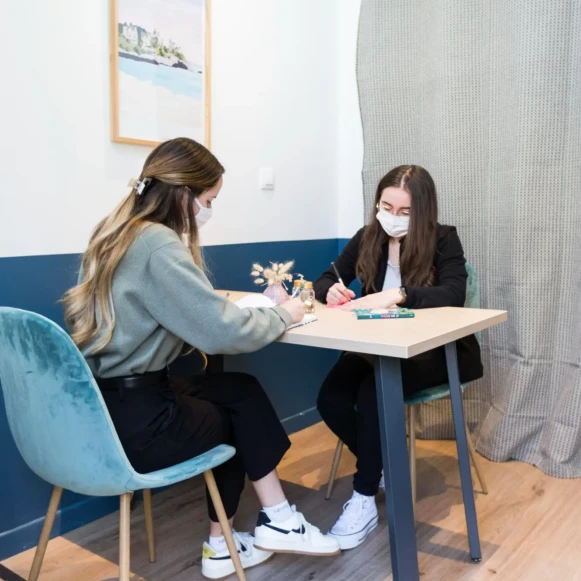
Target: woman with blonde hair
142,295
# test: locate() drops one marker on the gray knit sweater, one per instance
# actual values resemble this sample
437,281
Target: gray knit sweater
162,299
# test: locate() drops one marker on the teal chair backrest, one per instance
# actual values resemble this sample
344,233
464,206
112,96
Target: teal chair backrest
55,410
472,293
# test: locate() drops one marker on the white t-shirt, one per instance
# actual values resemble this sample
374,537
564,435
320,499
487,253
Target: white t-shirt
392,277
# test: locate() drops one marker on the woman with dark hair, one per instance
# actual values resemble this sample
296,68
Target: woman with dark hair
405,258
142,294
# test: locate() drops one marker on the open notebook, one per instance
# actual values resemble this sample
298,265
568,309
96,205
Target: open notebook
263,301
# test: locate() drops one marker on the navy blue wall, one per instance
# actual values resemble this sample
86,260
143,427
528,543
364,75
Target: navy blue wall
37,283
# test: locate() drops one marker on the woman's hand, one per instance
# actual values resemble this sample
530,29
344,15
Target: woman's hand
383,300
296,309
339,295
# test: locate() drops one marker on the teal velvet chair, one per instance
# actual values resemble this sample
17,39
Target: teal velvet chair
413,403
62,429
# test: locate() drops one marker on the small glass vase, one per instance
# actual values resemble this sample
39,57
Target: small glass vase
276,293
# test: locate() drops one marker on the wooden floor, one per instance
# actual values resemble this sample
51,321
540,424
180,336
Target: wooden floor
530,526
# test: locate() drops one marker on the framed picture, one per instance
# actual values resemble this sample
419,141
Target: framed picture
160,70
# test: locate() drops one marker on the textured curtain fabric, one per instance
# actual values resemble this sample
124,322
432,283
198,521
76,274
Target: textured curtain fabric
486,94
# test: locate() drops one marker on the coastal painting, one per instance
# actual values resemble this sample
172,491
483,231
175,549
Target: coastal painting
160,65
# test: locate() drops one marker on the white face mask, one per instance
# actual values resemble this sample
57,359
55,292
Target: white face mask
394,226
203,215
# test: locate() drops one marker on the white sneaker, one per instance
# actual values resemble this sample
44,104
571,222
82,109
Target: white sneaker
219,565
294,535
359,518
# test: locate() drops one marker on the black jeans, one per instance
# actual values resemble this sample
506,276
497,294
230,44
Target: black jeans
347,403
169,423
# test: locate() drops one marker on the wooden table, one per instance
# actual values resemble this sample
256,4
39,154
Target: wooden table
393,340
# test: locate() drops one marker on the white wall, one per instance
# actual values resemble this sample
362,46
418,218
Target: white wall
275,103
350,138
284,96
60,173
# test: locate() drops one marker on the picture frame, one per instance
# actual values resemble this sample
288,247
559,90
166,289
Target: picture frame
160,64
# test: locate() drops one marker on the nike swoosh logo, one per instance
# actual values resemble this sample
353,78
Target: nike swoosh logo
299,531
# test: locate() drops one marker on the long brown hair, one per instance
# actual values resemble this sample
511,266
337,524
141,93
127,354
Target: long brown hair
176,172
419,245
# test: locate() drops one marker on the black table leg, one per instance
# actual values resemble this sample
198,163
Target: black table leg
398,490
463,456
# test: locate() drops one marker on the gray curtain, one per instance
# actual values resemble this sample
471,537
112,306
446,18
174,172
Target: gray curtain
486,94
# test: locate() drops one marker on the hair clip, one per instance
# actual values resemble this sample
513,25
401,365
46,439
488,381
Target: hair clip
139,186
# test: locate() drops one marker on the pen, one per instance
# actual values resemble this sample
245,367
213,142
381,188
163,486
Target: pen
340,279
337,273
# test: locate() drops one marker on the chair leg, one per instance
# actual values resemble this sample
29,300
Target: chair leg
412,410
334,468
53,505
149,524
476,462
124,537
133,501
223,520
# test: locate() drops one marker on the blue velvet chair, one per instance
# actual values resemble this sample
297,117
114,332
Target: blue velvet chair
423,396
62,429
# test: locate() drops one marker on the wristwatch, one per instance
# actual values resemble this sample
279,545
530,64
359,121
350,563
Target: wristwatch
403,294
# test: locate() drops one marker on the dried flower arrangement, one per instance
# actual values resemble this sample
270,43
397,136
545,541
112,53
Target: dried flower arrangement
277,273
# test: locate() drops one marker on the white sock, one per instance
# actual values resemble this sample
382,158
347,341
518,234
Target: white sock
218,544
280,512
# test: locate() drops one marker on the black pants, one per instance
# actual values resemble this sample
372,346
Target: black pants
169,423
348,405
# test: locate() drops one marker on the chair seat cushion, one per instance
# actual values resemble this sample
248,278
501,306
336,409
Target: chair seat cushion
183,471
430,393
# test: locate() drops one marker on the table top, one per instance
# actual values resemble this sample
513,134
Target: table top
402,338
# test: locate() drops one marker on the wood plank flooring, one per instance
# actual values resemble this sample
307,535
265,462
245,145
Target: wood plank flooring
530,526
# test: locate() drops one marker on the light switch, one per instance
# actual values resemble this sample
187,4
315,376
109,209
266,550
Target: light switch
266,178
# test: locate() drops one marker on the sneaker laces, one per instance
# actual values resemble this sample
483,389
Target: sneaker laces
352,511
307,526
246,539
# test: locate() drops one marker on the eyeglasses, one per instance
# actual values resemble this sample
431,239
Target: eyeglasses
385,207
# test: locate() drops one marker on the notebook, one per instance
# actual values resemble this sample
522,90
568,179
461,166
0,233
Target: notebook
395,313
264,302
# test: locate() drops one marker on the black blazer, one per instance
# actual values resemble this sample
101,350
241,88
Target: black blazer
449,288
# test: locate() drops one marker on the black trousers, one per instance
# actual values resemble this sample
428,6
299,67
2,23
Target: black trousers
348,405
169,423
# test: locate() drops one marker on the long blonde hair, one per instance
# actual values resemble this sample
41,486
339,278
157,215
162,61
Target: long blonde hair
175,172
